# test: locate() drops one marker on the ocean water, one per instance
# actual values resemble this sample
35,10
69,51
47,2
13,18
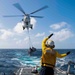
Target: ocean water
12,59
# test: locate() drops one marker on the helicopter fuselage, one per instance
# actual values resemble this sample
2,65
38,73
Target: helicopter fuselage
26,21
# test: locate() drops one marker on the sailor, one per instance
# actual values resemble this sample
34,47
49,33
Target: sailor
48,58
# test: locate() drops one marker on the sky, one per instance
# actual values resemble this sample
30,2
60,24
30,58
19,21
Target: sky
59,19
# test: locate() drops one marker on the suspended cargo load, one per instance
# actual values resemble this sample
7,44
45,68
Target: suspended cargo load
31,50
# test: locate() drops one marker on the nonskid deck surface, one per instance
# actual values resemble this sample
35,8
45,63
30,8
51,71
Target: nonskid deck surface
61,72
27,71
24,71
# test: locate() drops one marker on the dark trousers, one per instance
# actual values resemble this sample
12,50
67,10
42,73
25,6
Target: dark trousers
46,71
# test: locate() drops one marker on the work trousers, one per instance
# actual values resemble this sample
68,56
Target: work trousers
46,70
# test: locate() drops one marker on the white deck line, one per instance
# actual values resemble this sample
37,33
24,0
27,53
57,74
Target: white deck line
21,71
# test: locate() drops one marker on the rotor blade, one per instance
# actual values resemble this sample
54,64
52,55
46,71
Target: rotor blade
39,9
37,16
19,7
13,15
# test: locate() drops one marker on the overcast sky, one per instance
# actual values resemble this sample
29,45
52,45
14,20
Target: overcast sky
59,19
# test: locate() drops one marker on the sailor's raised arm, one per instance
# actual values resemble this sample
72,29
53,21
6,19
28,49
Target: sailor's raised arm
62,55
44,41
50,35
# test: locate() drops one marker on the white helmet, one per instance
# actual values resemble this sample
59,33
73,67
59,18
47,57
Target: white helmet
50,43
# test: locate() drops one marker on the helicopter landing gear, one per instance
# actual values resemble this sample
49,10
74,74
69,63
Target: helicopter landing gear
23,27
31,27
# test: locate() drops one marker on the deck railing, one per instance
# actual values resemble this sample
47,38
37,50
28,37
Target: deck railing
69,65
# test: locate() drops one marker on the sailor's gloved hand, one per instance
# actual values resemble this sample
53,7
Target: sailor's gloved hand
50,35
68,53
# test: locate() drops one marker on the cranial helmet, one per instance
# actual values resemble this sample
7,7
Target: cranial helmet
50,43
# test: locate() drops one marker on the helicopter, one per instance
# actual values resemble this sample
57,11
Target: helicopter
26,20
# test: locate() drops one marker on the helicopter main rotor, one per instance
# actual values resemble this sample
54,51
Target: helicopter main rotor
19,8
17,5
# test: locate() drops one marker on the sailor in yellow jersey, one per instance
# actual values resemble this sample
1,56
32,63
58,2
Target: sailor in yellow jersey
48,58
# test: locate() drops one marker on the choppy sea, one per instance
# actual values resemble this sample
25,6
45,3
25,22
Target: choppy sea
12,59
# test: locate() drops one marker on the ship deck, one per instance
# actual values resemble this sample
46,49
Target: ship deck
27,71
